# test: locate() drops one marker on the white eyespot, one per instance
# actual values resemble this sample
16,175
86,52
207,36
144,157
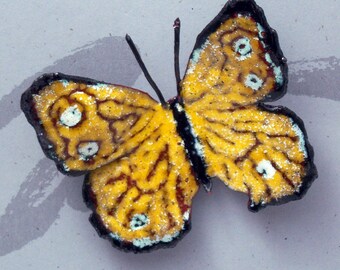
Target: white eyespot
139,221
71,116
266,169
254,82
88,150
243,48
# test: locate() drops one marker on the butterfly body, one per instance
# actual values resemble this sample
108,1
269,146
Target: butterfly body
192,144
145,160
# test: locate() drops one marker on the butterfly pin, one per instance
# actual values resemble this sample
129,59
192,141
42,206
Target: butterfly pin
144,160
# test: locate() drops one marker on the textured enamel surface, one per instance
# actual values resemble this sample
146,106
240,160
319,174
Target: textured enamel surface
258,151
235,143
223,70
90,125
152,186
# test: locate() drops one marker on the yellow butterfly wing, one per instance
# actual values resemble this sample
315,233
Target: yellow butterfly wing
236,61
143,200
262,151
83,124
141,185
251,147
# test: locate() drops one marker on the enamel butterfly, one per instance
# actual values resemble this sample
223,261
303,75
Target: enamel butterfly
144,160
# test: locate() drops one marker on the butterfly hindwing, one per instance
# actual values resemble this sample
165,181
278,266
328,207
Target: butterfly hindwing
143,200
262,151
237,64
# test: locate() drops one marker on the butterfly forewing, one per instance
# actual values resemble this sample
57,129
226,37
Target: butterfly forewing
236,64
84,124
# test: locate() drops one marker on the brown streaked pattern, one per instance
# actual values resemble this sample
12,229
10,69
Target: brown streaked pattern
217,72
116,118
253,151
155,183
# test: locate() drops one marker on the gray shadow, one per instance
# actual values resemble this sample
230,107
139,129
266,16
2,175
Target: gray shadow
315,78
33,209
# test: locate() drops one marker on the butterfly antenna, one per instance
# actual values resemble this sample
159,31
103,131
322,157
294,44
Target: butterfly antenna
145,71
177,29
